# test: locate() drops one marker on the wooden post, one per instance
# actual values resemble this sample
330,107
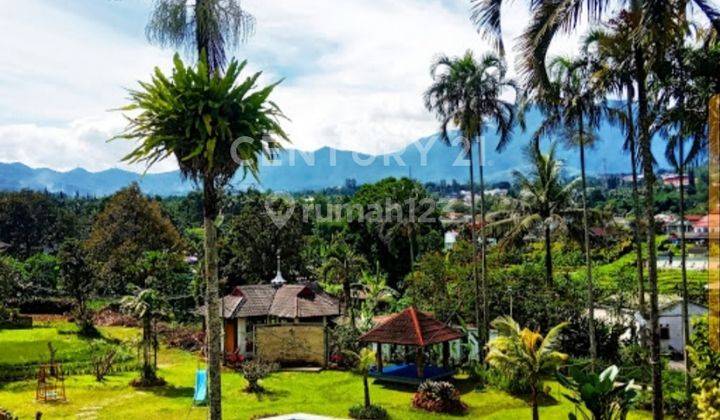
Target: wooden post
378,357
446,354
420,362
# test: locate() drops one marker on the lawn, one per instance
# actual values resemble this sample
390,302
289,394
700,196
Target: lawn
330,393
30,345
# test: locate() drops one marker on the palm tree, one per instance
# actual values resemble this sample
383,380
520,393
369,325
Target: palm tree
408,225
611,54
344,265
466,93
376,291
145,304
544,203
681,125
366,359
202,27
573,110
656,31
526,351
213,125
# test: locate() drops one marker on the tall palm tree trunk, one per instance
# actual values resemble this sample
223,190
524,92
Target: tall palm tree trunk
348,300
683,270
534,402
213,318
649,176
147,371
588,261
636,201
366,389
548,257
483,259
683,253
475,249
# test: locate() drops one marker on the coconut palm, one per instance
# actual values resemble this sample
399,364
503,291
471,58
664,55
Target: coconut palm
214,125
610,51
366,359
572,110
544,204
466,93
145,304
526,351
682,126
343,265
657,30
200,26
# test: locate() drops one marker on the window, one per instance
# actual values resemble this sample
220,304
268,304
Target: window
664,332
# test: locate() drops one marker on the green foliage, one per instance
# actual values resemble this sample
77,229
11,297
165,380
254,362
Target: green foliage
43,274
344,346
598,394
706,364
255,370
635,363
439,397
33,222
252,240
10,277
129,226
198,116
525,352
440,286
397,214
343,266
103,358
372,412
78,281
575,339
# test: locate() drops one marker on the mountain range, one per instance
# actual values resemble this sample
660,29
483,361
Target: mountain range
426,159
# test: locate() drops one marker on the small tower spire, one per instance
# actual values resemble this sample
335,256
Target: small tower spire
278,281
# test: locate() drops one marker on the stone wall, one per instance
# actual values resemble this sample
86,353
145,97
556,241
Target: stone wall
292,344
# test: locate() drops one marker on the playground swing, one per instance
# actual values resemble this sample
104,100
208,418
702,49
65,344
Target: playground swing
50,383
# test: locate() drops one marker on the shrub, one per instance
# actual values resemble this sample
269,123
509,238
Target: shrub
371,412
102,358
184,337
575,339
439,397
343,344
512,382
254,371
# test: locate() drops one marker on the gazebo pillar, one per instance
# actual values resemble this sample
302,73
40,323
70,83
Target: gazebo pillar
378,358
420,362
446,354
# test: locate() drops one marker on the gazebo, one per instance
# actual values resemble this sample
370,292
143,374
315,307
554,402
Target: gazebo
412,328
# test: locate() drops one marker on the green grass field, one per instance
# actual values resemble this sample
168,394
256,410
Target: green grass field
30,345
329,393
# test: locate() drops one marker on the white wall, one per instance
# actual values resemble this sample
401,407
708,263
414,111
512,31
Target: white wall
672,317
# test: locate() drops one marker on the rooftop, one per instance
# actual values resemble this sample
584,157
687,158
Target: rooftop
411,328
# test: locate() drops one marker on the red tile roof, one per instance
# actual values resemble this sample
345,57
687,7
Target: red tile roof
411,328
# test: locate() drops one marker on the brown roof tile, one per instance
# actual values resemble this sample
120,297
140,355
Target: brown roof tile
289,301
411,327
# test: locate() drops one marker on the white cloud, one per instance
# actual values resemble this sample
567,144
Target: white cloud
354,72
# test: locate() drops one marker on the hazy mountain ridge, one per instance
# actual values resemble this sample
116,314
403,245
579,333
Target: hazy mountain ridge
426,159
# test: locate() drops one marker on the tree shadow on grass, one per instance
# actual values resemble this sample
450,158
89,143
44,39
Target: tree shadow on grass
270,395
170,391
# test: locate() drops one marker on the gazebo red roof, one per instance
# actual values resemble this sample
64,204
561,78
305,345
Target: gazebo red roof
411,328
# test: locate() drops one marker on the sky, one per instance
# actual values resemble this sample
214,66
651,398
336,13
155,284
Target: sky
353,71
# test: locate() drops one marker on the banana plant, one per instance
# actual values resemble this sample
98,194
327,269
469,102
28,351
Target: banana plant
598,394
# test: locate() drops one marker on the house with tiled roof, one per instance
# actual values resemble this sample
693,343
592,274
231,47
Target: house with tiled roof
249,306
